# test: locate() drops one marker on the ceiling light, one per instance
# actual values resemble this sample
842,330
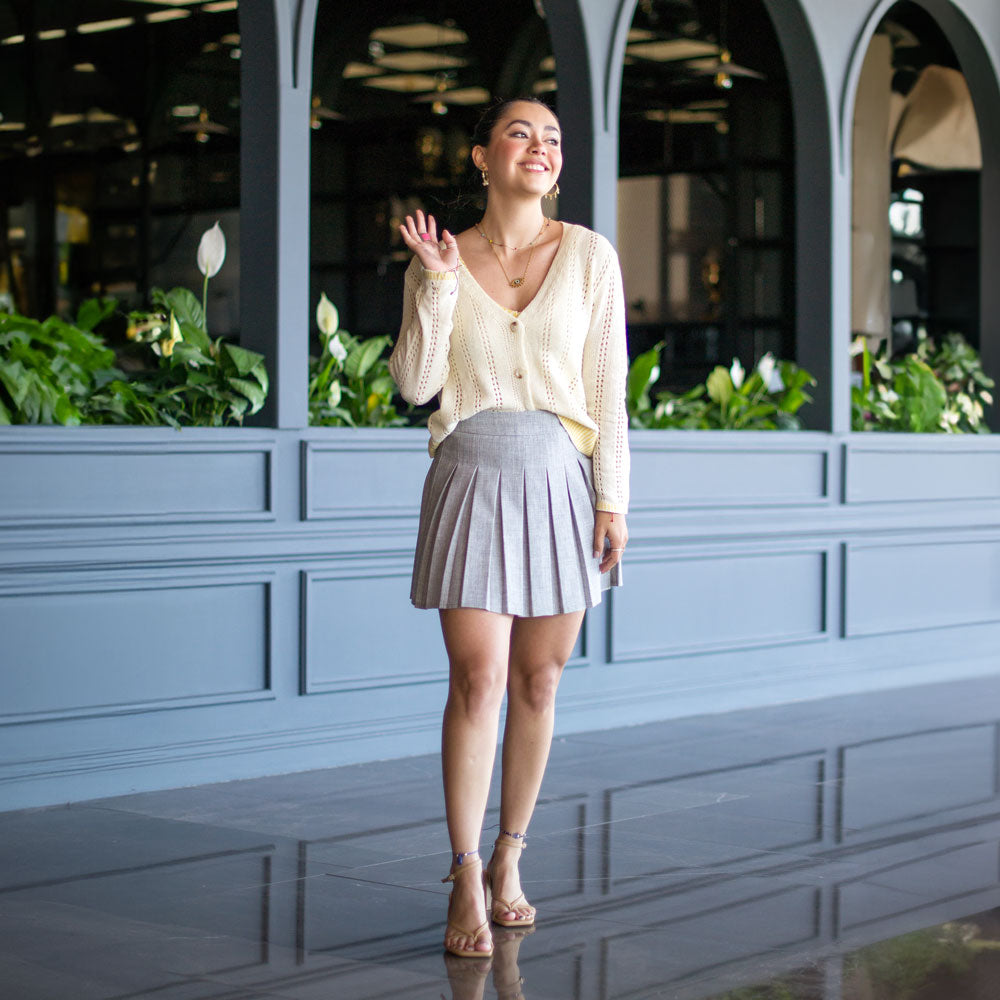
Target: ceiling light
185,110
545,86
12,40
639,35
65,118
460,95
548,64
415,60
235,53
12,126
85,67
419,36
167,15
93,27
51,33
220,5
95,116
357,69
233,39
408,83
673,49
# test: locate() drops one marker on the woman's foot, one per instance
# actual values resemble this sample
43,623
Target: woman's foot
468,932
508,906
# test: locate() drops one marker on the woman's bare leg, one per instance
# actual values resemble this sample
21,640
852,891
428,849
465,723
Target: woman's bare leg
478,644
539,649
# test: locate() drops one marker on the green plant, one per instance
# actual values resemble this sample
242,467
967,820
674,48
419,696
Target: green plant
50,369
767,399
349,383
196,381
931,389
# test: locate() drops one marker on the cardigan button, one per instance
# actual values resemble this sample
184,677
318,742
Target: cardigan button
518,374
513,326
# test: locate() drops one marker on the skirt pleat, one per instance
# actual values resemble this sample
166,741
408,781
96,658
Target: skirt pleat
507,520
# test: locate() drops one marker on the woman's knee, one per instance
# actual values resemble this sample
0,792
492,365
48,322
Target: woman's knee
477,687
535,687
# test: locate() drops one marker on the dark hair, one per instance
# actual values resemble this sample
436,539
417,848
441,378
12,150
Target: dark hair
495,111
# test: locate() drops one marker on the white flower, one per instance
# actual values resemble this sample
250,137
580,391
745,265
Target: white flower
335,394
987,398
211,251
336,348
327,318
669,408
769,373
737,373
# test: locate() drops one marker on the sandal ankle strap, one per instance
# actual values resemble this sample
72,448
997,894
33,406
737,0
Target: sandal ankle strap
508,839
465,861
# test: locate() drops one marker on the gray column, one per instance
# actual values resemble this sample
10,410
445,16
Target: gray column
276,89
588,39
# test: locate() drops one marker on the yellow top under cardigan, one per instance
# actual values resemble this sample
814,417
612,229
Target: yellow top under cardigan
565,352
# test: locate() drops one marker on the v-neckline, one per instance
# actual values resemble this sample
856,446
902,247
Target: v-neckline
541,288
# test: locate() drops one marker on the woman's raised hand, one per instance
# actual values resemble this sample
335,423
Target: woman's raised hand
421,237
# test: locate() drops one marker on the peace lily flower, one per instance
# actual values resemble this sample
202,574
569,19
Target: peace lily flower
335,394
211,251
336,348
770,376
737,373
327,317
211,254
164,348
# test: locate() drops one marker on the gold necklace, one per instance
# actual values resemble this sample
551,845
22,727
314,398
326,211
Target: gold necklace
513,282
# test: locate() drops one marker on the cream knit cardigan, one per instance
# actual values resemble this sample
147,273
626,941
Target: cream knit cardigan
564,352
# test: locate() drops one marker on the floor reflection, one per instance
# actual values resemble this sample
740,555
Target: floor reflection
831,850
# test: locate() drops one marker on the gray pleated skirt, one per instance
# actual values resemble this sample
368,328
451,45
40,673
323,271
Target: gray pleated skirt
507,520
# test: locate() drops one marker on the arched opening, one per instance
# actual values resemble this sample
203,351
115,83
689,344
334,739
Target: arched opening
119,145
916,202
397,89
707,214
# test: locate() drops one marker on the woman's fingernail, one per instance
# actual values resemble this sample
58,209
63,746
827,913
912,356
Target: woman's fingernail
597,555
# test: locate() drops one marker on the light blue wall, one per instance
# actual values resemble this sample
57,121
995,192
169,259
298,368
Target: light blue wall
194,606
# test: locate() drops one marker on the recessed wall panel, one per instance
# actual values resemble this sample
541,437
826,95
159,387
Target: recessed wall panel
904,474
167,482
361,631
106,645
921,585
666,475
372,478
676,604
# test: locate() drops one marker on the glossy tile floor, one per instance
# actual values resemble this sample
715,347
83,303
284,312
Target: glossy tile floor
846,848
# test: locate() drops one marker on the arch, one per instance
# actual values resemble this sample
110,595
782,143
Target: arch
981,74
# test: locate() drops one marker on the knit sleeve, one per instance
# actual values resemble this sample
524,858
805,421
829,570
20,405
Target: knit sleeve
419,361
605,369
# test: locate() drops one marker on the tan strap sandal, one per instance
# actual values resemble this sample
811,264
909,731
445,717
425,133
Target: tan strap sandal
469,861
499,906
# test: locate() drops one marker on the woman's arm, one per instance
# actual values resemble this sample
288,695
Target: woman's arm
605,370
419,361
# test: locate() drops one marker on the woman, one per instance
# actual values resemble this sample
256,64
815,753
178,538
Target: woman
519,325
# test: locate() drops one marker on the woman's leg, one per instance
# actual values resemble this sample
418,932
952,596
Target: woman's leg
539,649
478,643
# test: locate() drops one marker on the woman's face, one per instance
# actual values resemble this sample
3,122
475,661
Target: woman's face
525,150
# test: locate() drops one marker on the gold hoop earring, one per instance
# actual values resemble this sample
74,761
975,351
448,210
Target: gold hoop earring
486,177
553,193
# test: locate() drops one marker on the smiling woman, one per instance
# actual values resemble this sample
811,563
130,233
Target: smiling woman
396,94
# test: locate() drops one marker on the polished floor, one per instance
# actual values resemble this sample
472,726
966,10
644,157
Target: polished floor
845,849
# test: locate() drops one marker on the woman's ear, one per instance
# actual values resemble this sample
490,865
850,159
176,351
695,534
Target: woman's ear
478,157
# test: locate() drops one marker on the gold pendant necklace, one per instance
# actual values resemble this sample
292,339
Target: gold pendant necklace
513,282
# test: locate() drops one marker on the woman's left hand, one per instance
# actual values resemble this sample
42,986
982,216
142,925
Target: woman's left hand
613,528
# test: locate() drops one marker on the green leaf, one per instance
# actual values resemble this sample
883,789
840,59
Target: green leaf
361,358
720,385
183,304
243,361
644,371
5,415
251,390
94,311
